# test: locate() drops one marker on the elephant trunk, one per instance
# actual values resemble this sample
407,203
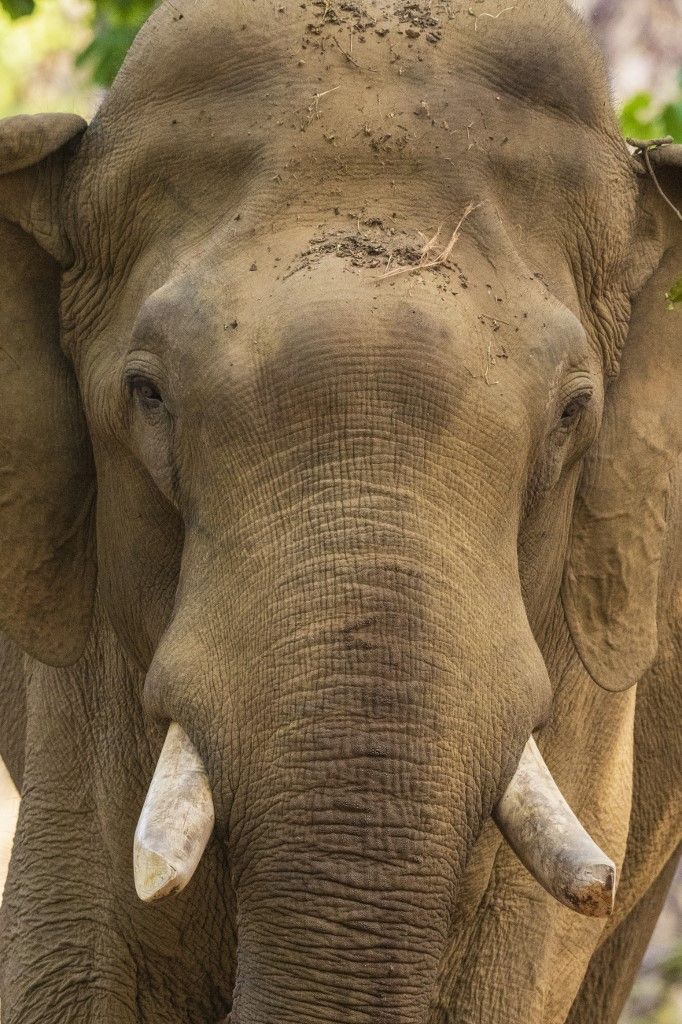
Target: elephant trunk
347,880
380,694
355,790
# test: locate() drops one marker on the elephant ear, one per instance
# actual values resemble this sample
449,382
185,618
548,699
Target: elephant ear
47,560
624,501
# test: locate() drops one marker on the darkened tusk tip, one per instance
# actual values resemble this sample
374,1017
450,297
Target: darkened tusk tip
594,892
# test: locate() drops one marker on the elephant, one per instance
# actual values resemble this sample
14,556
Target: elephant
340,575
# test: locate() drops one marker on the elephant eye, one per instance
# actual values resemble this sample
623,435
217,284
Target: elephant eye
145,390
573,408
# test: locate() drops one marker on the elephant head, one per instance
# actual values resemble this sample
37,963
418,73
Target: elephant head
359,369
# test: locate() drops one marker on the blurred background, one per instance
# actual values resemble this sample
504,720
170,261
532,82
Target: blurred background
63,54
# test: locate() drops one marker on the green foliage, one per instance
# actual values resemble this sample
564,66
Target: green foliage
19,8
115,25
117,22
674,297
35,57
642,118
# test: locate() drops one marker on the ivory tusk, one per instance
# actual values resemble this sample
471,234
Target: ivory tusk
548,839
176,821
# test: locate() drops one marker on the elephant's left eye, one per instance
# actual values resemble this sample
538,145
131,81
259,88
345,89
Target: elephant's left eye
145,390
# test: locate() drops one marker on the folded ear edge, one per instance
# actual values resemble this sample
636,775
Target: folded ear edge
54,630
26,139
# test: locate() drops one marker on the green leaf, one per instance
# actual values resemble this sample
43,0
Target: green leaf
106,53
636,104
673,297
117,22
18,8
636,116
671,116
641,118
125,13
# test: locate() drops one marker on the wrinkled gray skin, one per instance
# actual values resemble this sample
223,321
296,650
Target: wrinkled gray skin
358,535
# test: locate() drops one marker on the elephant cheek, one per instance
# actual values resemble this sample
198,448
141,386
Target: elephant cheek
137,533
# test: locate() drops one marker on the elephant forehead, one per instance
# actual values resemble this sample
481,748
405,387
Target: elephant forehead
321,309
332,341
232,122
356,289
241,119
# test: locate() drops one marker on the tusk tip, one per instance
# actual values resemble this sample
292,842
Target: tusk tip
594,892
154,876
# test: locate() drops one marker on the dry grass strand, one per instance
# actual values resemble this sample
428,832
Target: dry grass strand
426,260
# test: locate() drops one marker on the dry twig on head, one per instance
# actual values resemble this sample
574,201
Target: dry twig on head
427,260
